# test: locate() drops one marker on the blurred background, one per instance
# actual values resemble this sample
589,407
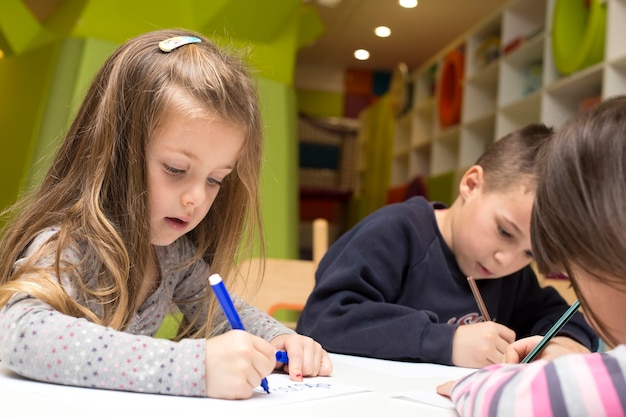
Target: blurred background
344,136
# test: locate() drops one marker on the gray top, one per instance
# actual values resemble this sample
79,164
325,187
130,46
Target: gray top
41,343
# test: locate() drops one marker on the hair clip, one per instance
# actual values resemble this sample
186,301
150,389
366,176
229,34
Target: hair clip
168,45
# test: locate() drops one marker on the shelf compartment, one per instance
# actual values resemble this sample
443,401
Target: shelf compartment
483,46
562,99
616,16
522,71
475,138
445,152
481,93
518,114
424,86
522,20
615,78
422,128
419,162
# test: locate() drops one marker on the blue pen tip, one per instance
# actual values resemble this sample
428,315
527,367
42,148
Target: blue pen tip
265,385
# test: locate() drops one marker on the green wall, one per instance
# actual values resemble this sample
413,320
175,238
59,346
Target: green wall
321,103
76,62
279,182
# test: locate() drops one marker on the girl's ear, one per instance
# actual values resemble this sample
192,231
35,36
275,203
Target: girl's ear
471,182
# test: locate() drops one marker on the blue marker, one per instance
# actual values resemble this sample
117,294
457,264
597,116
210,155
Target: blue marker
229,310
552,332
281,356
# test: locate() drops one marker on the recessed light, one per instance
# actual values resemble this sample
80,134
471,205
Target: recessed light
329,3
361,54
382,31
408,4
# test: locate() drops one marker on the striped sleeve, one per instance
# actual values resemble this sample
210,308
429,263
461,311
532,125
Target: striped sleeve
572,385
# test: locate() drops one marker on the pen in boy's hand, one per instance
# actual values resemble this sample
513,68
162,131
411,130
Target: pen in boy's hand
230,311
552,332
479,299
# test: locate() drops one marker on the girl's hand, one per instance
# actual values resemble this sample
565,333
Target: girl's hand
480,344
446,388
520,348
306,356
558,346
235,363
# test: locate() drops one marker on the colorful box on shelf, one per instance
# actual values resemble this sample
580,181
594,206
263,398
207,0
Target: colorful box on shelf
487,52
589,102
451,88
532,78
578,32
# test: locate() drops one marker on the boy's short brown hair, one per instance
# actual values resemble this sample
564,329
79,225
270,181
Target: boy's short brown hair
512,160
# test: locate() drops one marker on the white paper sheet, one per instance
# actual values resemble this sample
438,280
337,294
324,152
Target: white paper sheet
95,402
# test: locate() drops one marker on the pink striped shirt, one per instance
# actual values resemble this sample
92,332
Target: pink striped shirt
591,385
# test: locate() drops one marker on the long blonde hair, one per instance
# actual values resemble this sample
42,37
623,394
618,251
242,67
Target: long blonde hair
96,187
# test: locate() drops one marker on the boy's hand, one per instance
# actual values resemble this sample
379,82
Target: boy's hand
306,356
481,344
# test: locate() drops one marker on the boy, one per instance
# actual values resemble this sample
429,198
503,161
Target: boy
395,286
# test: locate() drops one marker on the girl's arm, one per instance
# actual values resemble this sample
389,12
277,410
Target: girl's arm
260,323
40,343
570,385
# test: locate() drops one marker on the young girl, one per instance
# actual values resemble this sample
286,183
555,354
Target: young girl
151,191
578,224
396,287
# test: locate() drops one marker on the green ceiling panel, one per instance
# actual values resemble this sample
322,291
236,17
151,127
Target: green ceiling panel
119,20
61,23
311,26
66,16
274,30
257,21
18,27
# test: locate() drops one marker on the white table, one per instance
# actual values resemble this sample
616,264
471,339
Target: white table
381,383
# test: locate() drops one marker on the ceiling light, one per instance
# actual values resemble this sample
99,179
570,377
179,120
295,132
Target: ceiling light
329,3
408,4
361,54
382,31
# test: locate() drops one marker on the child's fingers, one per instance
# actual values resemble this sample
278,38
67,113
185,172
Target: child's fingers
263,359
326,367
295,365
446,388
306,357
520,348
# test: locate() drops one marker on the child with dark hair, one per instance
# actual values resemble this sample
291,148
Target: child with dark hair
396,285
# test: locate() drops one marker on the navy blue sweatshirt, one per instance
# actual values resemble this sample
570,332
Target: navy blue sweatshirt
390,288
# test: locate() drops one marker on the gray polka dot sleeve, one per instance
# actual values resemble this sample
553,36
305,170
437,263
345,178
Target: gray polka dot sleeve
41,343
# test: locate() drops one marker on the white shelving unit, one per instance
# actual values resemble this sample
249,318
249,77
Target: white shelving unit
496,96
